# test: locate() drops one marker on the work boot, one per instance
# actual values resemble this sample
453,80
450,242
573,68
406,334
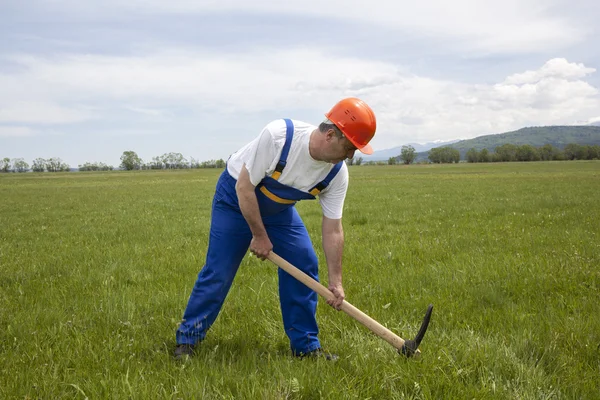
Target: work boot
319,353
183,351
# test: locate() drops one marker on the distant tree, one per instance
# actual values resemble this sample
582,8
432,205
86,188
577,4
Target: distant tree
506,152
85,167
130,161
194,163
547,152
472,155
559,155
88,166
435,155
174,161
19,165
527,152
39,165
213,164
392,161
574,151
484,155
350,161
594,152
446,154
55,164
166,161
52,165
358,161
408,154
156,163
5,165
582,152
454,155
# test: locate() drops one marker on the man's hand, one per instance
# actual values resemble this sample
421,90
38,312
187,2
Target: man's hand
261,246
338,292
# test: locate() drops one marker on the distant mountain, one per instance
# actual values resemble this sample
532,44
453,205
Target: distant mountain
384,155
558,136
597,123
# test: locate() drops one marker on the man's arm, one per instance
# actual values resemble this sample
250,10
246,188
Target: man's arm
260,245
333,246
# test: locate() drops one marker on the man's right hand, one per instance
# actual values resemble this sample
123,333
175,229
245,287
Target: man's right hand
261,246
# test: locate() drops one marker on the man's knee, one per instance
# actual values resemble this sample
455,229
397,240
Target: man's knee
307,260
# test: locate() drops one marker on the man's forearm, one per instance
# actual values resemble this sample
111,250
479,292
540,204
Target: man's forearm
249,204
251,212
333,247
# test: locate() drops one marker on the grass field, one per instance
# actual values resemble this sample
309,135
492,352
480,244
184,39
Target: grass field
96,268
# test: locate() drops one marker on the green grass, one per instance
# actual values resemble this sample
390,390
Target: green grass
96,268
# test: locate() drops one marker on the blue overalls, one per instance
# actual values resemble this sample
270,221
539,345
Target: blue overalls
229,240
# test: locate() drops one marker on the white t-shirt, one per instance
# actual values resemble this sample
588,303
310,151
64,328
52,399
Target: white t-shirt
301,171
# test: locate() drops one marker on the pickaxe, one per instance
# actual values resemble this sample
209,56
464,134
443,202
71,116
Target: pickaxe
409,348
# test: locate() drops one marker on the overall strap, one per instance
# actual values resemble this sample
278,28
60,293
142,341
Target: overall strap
289,133
325,182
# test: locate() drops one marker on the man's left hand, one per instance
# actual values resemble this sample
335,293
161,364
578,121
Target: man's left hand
338,292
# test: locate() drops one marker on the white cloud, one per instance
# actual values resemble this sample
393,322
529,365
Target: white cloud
409,108
558,68
196,79
593,120
125,132
590,121
449,110
148,111
488,26
16,131
34,112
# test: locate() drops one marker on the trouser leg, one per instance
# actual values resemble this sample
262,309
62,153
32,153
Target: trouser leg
298,302
229,239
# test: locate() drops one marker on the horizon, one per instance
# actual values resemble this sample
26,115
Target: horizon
367,158
376,156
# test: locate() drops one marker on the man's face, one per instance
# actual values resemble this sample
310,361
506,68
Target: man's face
339,148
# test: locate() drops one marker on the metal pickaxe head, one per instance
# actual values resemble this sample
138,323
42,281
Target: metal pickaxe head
411,347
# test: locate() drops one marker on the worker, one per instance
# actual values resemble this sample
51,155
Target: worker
253,208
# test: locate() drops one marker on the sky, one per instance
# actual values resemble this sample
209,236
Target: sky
85,81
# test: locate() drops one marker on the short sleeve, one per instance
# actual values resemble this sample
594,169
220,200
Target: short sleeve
261,153
332,199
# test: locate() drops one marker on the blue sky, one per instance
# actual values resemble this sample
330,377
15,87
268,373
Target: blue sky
87,80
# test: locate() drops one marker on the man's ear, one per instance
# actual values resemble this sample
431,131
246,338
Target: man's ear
330,135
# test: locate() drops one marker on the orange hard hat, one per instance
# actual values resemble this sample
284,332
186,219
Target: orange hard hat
356,120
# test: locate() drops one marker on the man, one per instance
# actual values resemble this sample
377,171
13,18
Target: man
253,207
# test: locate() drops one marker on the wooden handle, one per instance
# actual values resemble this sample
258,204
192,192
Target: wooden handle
348,308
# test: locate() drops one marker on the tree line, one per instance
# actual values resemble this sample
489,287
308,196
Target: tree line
439,155
503,153
129,161
53,164
510,152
